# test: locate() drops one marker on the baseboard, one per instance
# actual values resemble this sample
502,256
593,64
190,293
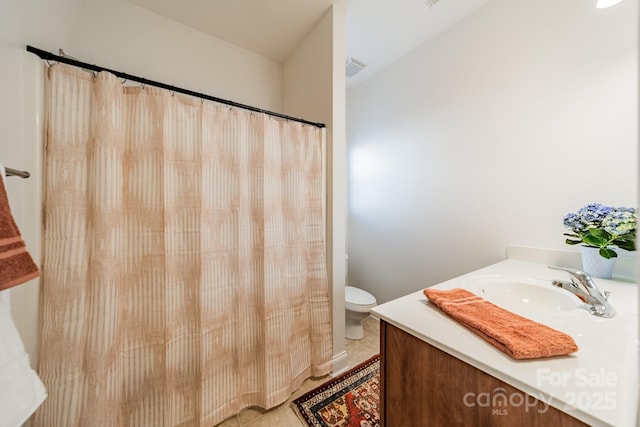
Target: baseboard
340,364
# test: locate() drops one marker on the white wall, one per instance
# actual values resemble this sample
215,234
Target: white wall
23,194
488,135
122,36
117,35
314,86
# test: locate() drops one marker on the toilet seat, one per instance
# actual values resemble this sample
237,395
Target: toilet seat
356,299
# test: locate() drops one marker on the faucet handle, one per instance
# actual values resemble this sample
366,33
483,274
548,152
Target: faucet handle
582,276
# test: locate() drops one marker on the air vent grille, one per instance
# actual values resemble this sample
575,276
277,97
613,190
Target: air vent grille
353,67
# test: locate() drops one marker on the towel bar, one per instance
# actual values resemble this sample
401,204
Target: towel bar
14,172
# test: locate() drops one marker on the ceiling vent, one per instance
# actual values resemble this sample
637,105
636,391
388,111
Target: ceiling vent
353,67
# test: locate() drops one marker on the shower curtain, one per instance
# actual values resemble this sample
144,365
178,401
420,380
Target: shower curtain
184,271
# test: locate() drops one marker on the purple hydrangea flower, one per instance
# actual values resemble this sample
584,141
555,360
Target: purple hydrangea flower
621,221
603,227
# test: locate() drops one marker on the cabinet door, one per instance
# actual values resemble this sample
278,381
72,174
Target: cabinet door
424,386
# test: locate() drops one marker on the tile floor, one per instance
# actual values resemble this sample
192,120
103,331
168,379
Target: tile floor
283,416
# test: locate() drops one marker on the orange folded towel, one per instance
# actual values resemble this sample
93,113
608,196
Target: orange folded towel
16,264
519,337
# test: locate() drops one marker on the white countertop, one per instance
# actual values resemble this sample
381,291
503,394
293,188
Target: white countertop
597,385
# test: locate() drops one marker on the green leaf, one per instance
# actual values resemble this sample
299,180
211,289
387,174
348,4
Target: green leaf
627,245
572,242
572,235
607,253
592,240
598,232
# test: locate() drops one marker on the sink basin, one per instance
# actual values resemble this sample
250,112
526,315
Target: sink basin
524,295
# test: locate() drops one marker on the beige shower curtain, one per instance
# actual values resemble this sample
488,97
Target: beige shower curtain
184,272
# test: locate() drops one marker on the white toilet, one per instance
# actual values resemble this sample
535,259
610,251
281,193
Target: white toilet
357,303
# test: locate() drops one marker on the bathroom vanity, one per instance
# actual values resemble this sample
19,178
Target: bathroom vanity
436,372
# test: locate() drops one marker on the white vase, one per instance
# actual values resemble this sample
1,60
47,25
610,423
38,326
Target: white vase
595,264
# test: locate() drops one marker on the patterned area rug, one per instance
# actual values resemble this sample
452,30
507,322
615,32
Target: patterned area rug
350,400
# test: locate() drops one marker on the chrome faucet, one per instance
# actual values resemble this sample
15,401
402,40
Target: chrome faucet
591,295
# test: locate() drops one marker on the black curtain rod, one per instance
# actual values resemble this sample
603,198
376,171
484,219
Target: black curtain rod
66,60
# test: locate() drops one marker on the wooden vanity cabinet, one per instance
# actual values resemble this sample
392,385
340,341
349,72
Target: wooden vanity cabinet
423,386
